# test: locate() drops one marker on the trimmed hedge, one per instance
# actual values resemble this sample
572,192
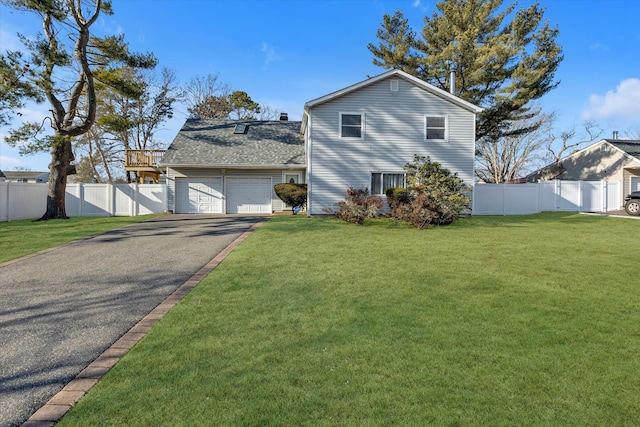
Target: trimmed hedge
294,195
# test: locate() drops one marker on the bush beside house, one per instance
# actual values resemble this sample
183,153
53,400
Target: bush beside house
433,196
358,206
294,195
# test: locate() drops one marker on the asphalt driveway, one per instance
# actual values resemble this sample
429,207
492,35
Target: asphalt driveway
61,309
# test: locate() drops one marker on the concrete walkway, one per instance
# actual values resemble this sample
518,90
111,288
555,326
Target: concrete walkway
62,308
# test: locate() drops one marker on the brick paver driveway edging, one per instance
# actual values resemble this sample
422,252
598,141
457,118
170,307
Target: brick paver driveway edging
62,309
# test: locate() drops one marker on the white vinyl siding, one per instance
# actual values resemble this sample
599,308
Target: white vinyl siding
395,132
351,125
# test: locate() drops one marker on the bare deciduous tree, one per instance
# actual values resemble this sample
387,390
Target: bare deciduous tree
507,158
128,121
569,141
207,97
268,112
633,134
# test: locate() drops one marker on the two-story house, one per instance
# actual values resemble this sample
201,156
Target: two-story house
363,135
360,136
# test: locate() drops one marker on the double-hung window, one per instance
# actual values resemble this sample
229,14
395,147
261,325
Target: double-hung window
436,128
351,125
380,181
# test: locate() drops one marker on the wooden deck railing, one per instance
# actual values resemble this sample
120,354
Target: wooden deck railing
140,158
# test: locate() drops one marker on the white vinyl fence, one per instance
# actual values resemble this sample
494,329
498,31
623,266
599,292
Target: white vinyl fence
26,200
522,199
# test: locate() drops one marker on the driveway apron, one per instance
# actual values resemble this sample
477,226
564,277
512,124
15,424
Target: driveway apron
61,309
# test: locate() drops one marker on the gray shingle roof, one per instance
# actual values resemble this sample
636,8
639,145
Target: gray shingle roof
629,146
203,142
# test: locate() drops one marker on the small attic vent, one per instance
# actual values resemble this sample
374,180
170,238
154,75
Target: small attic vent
241,128
394,85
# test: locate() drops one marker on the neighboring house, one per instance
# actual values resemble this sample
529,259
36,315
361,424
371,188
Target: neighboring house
221,166
605,160
363,135
360,136
26,176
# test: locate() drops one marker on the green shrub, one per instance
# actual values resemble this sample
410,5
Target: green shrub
434,196
397,196
294,195
359,206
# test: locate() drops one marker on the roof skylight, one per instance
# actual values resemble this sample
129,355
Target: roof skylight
241,128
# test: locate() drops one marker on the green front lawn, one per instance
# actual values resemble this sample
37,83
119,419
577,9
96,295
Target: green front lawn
24,237
496,321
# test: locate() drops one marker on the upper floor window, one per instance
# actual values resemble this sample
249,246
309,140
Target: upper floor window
380,181
435,128
351,125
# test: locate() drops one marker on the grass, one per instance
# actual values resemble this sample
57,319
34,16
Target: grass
24,237
496,321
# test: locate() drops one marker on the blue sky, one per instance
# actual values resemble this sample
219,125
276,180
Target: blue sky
284,53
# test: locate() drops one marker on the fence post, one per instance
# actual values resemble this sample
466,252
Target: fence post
111,199
8,201
80,198
580,198
473,198
136,207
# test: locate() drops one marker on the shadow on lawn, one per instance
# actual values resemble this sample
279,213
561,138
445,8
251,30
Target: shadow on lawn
303,224
517,220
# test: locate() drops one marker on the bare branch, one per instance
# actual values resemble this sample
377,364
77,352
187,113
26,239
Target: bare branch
591,132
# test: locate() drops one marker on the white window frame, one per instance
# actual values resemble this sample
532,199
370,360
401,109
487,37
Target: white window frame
362,128
446,128
284,177
383,173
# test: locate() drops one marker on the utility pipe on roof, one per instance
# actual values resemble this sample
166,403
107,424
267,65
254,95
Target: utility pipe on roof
452,81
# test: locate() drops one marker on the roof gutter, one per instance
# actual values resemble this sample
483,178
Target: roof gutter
231,166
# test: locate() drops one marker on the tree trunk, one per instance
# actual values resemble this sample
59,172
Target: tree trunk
59,168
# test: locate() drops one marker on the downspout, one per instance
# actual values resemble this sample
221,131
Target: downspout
307,143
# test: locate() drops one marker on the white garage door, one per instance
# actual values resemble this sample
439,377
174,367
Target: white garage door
248,195
198,195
